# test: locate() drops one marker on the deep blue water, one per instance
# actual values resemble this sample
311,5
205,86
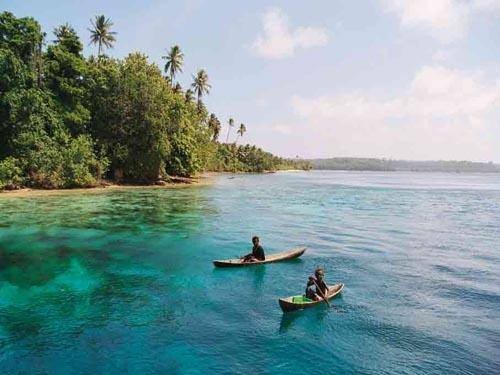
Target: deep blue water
122,281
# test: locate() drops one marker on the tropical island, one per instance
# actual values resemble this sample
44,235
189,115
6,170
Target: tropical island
67,121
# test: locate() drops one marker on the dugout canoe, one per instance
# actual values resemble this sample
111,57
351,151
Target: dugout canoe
299,302
278,257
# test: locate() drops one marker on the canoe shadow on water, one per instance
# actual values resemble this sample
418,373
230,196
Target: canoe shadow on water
288,320
256,273
256,266
257,269
317,314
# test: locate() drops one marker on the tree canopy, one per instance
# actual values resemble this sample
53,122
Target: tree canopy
69,121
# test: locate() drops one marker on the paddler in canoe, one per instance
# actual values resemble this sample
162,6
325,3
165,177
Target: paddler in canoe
316,286
316,293
257,253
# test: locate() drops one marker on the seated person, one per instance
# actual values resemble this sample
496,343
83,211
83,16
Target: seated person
313,283
257,253
320,280
311,289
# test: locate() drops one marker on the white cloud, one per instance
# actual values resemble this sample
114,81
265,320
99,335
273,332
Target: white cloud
486,4
442,55
446,20
442,114
282,129
278,40
435,91
261,102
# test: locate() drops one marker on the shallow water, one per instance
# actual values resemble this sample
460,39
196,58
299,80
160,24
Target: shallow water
122,281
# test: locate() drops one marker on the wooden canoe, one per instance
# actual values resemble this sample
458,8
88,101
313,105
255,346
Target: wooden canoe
288,305
290,254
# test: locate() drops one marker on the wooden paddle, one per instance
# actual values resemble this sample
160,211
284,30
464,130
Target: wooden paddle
321,293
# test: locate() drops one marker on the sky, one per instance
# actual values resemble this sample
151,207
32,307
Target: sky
400,79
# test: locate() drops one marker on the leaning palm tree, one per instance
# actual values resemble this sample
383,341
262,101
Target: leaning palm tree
189,95
200,84
240,132
216,130
177,89
175,60
230,125
214,126
100,33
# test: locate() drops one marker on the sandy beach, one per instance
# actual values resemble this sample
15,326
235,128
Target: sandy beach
202,180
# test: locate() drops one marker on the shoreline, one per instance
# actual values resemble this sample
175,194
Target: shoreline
202,180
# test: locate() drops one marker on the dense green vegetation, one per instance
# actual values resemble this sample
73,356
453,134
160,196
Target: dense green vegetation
68,121
370,164
237,158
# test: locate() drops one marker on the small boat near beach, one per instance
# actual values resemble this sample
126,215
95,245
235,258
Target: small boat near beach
294,303
278,257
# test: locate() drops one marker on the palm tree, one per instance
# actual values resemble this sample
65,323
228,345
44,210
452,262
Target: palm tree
38,59
177,88
214,125
200,84
189,95
230,125
62,32
66,36
240,132
175,60
100,33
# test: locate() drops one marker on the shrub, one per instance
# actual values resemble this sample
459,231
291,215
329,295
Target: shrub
10,173
61,161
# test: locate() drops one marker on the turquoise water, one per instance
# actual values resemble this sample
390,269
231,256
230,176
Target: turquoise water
122,281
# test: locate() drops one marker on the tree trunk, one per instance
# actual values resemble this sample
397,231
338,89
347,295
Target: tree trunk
39,63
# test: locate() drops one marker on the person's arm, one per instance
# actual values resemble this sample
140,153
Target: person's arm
259,253
247,257
262,253
319,289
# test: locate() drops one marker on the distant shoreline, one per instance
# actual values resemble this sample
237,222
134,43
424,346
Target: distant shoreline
399,171
388,165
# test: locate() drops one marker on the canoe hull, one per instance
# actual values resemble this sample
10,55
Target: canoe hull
291,254
287,305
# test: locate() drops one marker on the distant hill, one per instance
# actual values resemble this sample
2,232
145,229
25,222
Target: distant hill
371,164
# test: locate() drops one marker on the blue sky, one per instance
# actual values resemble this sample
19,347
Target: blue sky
410,79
